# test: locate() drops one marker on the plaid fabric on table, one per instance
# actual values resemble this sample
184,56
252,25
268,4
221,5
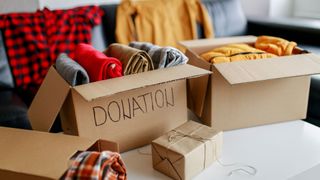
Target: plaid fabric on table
34,40
104,165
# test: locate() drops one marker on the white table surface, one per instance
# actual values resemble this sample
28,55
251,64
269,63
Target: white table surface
278,151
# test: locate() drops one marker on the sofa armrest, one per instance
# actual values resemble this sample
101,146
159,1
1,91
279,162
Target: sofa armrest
227,16
302,31
109,23
6,79
314,98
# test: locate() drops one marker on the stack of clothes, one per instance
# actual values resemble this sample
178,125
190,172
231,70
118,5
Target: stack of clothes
264,47
35,40
90,65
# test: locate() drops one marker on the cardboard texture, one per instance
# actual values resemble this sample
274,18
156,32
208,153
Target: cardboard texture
131,110
187,150
249,93
54,90
29,154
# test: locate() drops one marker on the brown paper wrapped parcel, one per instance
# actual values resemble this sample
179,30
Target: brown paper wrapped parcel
187,150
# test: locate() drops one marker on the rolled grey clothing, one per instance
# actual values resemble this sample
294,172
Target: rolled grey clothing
71,71
162,57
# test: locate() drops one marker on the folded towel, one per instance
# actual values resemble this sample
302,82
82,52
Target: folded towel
134,60
162,57
234,52
96,165
275,45
97,64
71,71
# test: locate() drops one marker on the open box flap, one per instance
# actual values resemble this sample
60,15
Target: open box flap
48,101
267,69
109,87
203,45
39,153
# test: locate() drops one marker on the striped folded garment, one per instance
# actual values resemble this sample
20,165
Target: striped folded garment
162,57
133,60
92,165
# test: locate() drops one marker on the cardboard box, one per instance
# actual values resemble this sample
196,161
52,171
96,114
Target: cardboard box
187,150
130,110
249,93
29,154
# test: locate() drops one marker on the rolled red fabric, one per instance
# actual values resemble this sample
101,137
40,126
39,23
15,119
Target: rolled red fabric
98,65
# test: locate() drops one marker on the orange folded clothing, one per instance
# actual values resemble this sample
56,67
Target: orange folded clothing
98,65
275,45
234,52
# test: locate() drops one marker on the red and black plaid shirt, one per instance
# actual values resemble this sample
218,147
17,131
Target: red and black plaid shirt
34,40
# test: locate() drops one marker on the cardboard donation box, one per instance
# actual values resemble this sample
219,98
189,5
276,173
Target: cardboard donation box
130,110
29,154
187,150
249,93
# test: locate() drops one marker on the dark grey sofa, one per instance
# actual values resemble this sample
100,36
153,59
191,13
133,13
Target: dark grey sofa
229,20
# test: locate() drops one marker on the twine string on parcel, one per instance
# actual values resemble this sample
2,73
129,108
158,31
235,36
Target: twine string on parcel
251,170
176,136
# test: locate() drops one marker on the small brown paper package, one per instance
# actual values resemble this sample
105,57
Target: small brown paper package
133,60
187,150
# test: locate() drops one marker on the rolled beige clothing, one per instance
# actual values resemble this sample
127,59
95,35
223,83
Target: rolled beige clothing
133,60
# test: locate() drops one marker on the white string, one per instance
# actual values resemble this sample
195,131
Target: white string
242,167
143,153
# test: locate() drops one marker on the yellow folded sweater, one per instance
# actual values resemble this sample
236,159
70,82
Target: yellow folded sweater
234,52
161,22
275,45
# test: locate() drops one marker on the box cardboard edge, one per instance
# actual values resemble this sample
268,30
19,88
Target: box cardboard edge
40,115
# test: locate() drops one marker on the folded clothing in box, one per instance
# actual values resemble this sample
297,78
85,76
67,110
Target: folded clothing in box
133,60
29,154
187,150
251,92
162,57
96,165
264,47
98,65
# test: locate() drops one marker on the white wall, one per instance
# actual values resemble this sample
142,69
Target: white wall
264,8
271,8
251,7
64,4
256,7
7,6
281,8
307,8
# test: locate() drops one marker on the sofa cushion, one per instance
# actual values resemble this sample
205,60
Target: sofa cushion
311,48
6,80
314,97
227,16
109,23
13,112
98,39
